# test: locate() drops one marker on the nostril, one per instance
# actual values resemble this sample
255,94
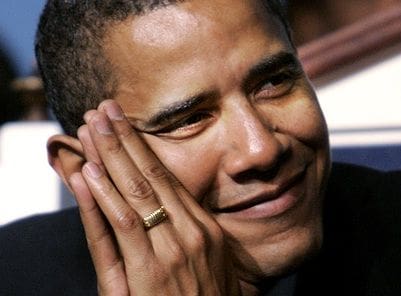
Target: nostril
257,174
263,173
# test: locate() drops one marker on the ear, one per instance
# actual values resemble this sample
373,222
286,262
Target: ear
66,156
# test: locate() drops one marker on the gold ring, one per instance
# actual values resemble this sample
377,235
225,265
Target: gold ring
154,218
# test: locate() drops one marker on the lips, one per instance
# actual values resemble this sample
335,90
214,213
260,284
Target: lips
269,202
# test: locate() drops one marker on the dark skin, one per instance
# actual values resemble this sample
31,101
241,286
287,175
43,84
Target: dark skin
179,264
215,120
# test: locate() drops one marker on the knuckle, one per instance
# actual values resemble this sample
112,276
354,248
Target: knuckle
126,132
142,264
154,171
106,189
175,183
163,279
177,257
114,147
126,221
98,238
198,242
139,189
88,211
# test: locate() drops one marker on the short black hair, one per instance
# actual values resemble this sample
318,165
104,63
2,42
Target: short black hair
76,74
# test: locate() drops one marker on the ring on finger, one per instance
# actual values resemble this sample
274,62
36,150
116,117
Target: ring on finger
155,218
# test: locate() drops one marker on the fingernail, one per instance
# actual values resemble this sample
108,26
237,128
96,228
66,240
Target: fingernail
114,112
88,115
103,126
92,170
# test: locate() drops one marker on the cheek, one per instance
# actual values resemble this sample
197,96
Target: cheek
304,121
194,164
307,125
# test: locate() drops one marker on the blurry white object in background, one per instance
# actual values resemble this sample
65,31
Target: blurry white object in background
28,185
362,102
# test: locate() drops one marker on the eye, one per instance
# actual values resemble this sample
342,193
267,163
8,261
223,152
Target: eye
275,86
187,126
193,119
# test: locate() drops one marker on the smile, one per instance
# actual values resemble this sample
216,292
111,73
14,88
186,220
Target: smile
269,203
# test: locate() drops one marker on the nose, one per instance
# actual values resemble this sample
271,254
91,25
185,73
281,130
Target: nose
255,145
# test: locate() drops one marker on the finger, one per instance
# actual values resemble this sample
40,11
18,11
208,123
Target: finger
100,239
90,151
131,183
126,223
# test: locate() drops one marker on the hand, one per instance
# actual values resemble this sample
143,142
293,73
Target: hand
124,181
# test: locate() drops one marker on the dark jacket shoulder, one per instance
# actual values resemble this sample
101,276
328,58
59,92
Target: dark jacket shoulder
46,255
362,235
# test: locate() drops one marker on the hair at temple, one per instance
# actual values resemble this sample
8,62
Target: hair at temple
76,75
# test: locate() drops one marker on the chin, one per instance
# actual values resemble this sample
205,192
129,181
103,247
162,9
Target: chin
286,257
277,256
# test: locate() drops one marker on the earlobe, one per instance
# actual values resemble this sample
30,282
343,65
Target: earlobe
66,156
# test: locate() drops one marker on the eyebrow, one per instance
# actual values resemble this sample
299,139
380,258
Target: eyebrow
273,64
175,109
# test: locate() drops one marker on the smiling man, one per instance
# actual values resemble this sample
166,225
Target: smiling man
199,157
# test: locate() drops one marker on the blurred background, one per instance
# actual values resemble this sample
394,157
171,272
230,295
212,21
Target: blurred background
351,50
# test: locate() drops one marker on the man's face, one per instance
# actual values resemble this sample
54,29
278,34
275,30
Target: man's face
217,92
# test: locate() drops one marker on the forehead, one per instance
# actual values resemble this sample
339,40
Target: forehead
161,49
174,24
171,27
